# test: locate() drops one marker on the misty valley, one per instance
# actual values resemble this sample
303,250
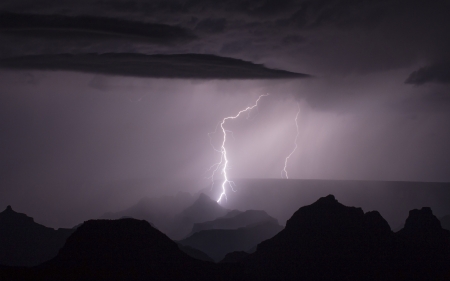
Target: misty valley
188,236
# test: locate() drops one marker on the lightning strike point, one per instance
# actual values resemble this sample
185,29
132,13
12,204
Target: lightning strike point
223,163
295,147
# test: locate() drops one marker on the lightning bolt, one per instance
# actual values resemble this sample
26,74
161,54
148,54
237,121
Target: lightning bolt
224,158
295,147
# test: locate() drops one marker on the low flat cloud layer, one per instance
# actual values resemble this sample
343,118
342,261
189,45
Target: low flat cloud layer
189,66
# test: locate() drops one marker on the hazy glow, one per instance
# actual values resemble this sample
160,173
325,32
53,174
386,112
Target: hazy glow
223,158
295,147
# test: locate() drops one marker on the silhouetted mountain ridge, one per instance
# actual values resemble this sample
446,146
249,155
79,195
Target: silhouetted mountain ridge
322,241
26,243
173,215
122,250
428,240
216,243
203,209
234,220
159,211
329,241
421,223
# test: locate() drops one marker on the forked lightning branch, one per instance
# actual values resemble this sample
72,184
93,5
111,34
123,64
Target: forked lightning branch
222,165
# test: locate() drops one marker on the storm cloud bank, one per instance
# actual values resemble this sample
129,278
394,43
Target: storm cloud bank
62,26
91,92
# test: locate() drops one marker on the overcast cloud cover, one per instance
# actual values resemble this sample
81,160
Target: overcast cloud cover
374,104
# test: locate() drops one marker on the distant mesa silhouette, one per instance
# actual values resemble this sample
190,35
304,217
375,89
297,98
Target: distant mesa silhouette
232,213
234,219
216,243
155,209
24,242
158,211
235,231
173,215
202,210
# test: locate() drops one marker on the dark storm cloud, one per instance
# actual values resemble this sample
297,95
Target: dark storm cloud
234,47
195,66
59,26
340,36
359,120
311,13
341,13
212,25
437,73
301,13
293,39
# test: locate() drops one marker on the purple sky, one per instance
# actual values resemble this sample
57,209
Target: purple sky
376,105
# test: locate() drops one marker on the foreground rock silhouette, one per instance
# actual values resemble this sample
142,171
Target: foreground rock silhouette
24,242
445,222
125,249
323,241
330,241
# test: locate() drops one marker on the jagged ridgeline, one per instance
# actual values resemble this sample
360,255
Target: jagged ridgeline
322,241
24,242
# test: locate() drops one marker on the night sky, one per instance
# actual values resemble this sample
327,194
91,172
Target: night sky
93,93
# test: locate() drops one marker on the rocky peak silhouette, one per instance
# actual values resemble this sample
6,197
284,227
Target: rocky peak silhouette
112,249
24,242
326,218
329,241
203,209
11,216
429,242
376,224
421,222
322,241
